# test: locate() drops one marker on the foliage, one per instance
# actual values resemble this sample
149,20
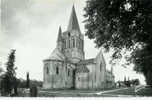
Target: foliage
5,85
23,83
36,82
33,91
122,24
133,82
10,64
9,80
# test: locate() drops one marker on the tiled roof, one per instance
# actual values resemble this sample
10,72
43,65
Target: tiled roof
82,69
87,61
57,55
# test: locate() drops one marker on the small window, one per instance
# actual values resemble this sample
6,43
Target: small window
77,44
57,70
47,70
73,40
69,34
69,43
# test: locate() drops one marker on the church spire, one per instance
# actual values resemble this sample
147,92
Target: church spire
59,39
73,22
59,35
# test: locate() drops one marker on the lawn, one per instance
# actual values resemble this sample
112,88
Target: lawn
72,93
147,91
67,93
128,92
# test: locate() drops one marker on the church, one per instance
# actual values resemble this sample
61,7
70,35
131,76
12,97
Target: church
67,68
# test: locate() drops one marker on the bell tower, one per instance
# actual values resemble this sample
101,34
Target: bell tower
73,40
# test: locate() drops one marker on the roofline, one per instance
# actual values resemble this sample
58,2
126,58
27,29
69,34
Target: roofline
58,61
94,62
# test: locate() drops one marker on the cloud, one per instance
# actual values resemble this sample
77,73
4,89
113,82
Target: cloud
9,11
28,26
11,26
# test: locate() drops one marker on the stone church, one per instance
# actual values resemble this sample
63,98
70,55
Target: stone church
67,67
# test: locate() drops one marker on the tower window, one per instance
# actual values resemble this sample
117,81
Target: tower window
73,42
57,70
68,72
47,70
77,43
66,43
69,34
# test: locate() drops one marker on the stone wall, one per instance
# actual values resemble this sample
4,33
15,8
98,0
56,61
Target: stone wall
91,76
82,81
73,46
95,78
100,70
53,79
64,78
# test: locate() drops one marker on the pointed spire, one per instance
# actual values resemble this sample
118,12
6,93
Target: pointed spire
73,22
59,35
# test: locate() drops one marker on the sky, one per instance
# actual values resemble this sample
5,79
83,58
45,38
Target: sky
31,27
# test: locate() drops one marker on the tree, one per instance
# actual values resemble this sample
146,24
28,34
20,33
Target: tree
9,78
136,82
122,24
10,64
27,80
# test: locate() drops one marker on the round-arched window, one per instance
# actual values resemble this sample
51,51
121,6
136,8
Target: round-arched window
57,70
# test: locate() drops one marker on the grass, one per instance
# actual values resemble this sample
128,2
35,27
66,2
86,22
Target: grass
147,91
66,93
128,91
70,93
92,93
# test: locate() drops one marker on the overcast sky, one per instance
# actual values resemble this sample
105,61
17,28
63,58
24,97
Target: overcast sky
31,27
